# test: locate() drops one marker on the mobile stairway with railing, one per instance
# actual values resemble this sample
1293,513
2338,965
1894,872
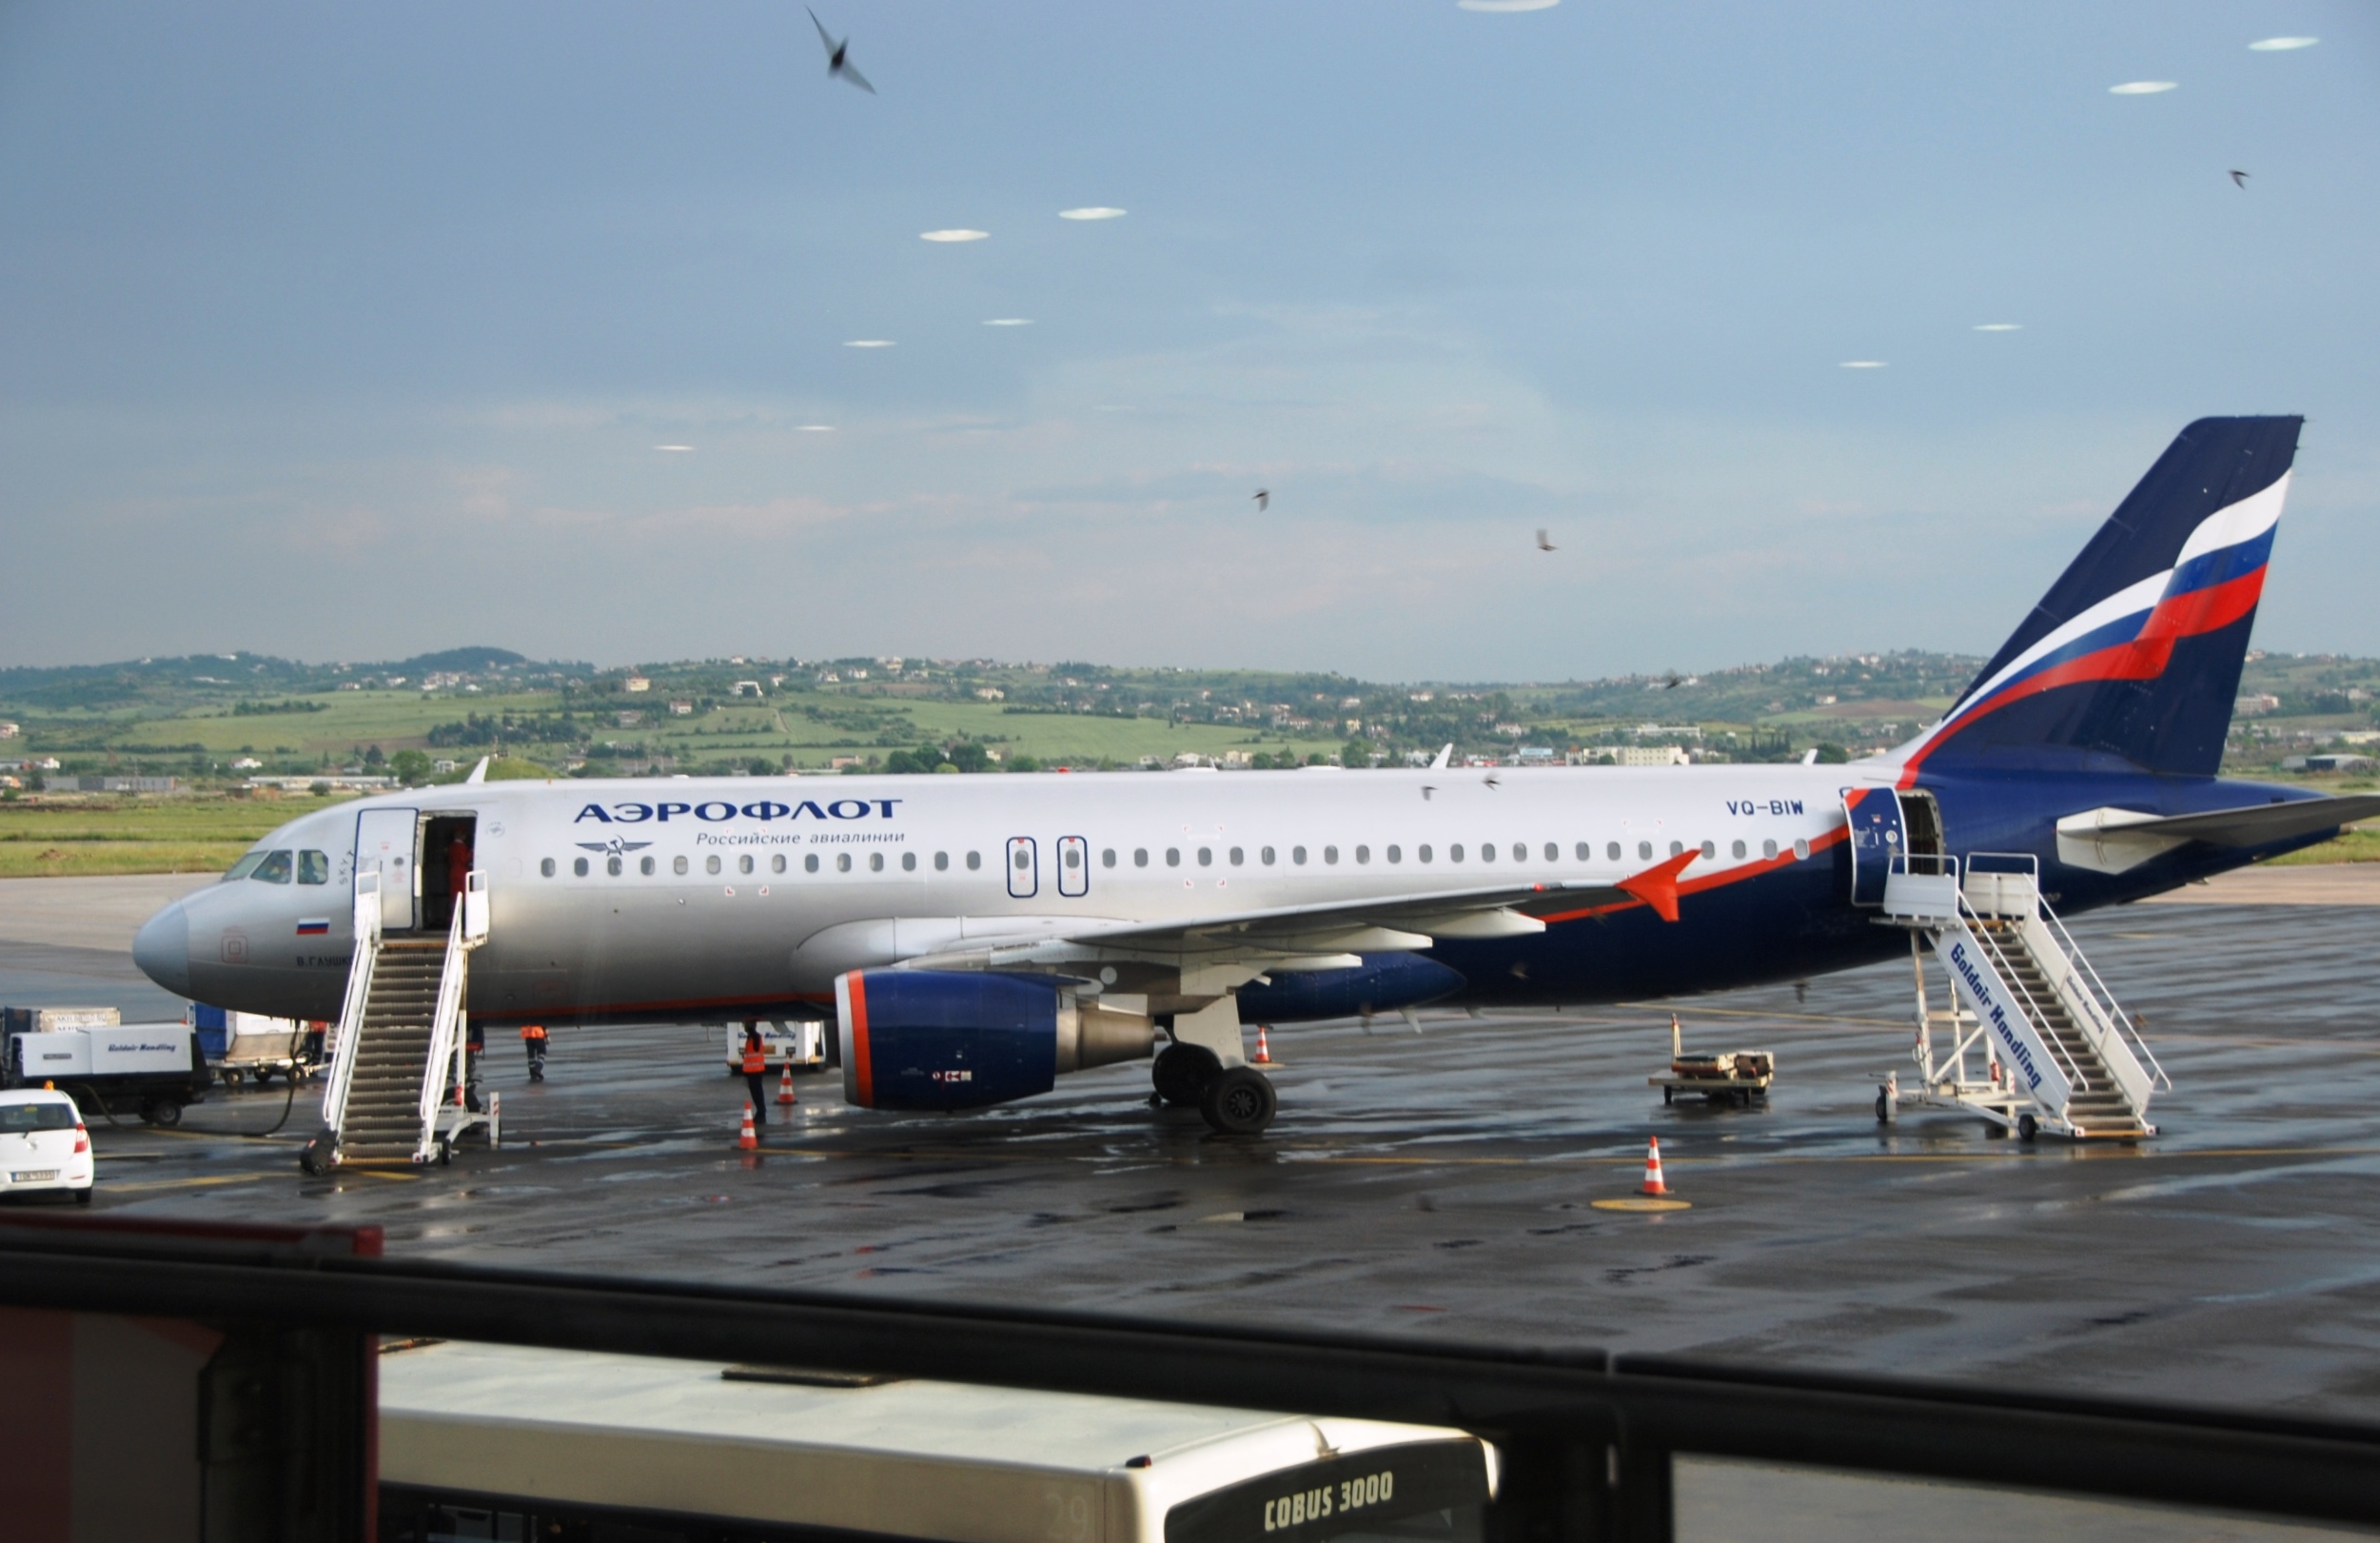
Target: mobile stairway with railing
2037,1043
399,1062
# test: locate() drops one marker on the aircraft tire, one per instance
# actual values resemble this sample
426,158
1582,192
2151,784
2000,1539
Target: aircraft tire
1239,1103
1183,1073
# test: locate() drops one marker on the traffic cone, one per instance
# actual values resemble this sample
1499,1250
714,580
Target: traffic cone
785,1085
749,1140
1264,1047
1653,1184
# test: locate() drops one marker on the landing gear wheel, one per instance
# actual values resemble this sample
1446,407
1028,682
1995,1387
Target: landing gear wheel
163,1113
2027,1128
1183,1074
445,1151
1239,1103
1883,1112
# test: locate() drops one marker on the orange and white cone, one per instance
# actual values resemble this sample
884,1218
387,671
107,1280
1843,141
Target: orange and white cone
785,1085
1653,1184
749,1140
1264,1047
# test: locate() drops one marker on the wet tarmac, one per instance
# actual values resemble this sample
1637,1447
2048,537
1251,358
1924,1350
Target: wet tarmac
1443,1182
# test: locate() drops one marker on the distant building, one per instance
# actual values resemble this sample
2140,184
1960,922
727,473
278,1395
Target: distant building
749,688
636,682
990,693
1652,755
341,781
842,761
629,719
2252,707
2329,761
9,731
681,710
247,763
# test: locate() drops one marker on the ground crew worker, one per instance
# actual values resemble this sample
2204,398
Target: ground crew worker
533,1039
474,1049
757,1070
458,871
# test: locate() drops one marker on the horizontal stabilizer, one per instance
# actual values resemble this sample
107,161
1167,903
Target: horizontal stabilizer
2114,840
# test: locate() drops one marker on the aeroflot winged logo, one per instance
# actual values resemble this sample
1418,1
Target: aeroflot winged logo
719,809
615,847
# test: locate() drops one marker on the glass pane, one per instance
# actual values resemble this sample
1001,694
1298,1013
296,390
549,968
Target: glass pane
313,867
275,869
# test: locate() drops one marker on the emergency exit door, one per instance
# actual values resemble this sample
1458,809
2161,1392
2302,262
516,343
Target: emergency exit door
384,844
1073,866
1024,868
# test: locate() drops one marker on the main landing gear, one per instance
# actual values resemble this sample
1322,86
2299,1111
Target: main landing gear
1234,1102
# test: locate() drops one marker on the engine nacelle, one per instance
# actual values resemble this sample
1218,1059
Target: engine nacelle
1382,983
962,1040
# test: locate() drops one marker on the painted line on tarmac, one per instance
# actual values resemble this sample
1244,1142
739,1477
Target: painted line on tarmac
205,1182
1685,1010
1627,1160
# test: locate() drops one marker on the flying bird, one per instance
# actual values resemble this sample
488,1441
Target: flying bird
1674,682
838,56
2239,179
1544,545
1264,499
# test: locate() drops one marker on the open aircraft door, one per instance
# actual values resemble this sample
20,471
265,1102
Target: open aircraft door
1878,836
384,844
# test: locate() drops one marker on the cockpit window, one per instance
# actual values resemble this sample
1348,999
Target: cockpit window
246,865
274,869
313,867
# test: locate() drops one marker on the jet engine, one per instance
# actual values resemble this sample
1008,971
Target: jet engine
1382,983
962,1040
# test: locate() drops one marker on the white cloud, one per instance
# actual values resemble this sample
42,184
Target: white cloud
1863,364
673,446
2000,326
953,235
2278,45
1009,320
815,428
1094,212
2143,87
1508,5
869,342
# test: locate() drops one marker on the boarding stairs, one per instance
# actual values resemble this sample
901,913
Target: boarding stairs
2035,1041
399,1060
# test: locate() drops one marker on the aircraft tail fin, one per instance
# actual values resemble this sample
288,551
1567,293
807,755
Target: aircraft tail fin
2131,661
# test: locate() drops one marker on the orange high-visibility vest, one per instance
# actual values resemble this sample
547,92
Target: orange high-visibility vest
533,1031
756,1057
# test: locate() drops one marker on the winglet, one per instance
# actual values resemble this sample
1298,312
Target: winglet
479,773
1445,753
1657,886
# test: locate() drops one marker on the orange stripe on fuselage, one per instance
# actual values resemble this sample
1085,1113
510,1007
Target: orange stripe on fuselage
1752,869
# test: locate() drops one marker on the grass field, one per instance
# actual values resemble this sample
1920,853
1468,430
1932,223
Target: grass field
137,835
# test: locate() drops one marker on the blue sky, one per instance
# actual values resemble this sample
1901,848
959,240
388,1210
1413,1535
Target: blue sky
349,331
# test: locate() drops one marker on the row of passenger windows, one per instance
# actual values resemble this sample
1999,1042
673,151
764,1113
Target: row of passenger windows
1205,856
308,867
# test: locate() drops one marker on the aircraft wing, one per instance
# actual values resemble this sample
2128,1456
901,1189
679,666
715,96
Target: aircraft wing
2250,826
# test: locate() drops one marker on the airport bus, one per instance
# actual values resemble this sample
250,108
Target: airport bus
515,1443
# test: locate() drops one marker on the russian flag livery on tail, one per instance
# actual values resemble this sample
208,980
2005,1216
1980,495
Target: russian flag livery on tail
2132,659
977,938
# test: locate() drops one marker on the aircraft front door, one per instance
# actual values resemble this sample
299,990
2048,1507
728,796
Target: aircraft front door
383,845
1024,868
1876,838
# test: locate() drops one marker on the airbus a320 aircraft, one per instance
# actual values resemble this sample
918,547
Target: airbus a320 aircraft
978,936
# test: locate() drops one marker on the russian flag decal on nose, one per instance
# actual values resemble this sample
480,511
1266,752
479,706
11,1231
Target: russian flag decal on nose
313,926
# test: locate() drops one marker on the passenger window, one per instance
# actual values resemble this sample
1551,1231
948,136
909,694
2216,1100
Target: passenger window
842,863
644,866
1205,857
809,862
1297,855
1396,854
1236,856
1023,860
1454,853
611,865
1677,848
1553,853
1423,852
1520,851
274,870
1710,850
875,862
1801,849
776,863
1140,857
1331,854
1645,851
1173,857
1070,856
908,863
1362,854
743,865
1107,857
975,861
1739,849
546,867
1264,854
1611,851
313,867
1586,852
1487,851
677,865
1768,849
580,867
942,862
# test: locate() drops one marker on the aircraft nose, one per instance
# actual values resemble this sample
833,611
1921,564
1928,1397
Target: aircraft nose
161,949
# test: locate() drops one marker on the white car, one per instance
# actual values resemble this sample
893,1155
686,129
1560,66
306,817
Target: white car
43,1144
